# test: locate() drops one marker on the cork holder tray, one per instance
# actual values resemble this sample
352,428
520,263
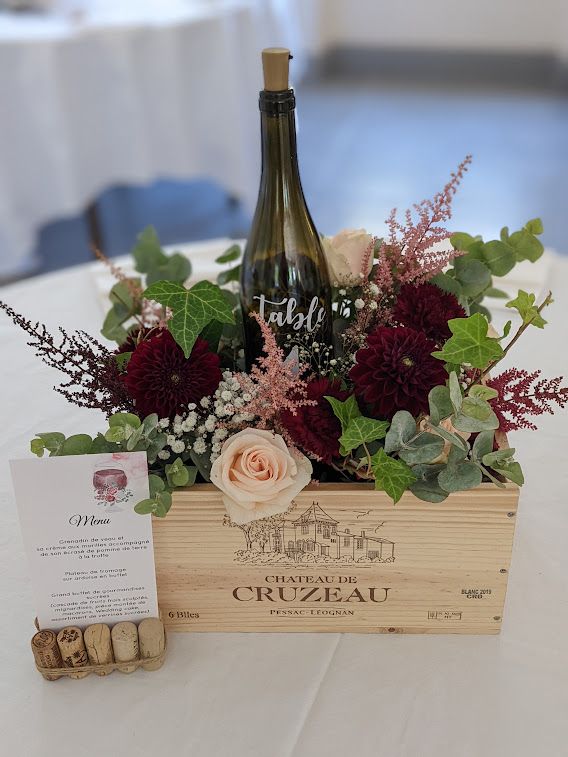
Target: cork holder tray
52,673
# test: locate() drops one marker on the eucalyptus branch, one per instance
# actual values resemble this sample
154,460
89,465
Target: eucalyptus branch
520,331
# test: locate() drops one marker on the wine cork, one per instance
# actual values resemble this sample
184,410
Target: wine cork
275,64
125,645
99,647
152,640
46,653
72,648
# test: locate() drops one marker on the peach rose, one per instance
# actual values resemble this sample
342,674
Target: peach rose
258,475
345,254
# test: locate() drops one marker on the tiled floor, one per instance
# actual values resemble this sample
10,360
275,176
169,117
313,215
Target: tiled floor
365,147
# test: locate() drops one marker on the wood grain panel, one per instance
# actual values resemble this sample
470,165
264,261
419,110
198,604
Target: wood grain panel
344,559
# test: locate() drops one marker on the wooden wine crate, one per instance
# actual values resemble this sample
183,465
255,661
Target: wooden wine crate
344,559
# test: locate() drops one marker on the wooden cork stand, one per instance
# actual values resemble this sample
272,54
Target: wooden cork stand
147,663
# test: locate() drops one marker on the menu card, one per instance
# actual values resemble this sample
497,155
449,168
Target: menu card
91,556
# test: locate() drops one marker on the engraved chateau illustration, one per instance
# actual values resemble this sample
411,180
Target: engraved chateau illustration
316,533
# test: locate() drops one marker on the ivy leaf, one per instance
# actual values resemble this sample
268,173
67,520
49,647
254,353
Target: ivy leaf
469,343
402,429
360,431
525,307
425,448
345,411
193,309
426,486
440,404
230,255
391,476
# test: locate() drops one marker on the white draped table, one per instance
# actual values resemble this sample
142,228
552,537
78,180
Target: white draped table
130,92
224,695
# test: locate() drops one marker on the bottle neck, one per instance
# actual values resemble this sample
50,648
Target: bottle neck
278,135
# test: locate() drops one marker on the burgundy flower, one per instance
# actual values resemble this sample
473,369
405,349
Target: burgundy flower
427,308
162,380
315,428
396,371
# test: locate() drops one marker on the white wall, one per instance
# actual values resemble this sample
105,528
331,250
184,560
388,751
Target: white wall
523,25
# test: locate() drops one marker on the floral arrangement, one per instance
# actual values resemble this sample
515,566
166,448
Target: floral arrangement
409,396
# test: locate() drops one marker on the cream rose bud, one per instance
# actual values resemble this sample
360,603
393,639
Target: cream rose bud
258,475
345,254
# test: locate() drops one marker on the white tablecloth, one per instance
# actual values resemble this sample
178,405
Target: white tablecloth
133,92
296,695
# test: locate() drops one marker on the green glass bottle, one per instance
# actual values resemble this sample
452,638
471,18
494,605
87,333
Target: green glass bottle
284,274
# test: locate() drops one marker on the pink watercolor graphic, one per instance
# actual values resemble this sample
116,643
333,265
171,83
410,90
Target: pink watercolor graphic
110,483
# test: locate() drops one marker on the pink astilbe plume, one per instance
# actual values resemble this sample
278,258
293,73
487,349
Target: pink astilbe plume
523,394
275,384
406,256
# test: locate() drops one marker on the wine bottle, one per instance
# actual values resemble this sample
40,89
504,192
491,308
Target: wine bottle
284,274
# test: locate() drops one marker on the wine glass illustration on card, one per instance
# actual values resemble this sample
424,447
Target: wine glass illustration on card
110,484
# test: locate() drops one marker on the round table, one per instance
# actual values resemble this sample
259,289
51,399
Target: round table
296,695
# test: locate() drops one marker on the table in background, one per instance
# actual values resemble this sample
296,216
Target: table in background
296,695
127,93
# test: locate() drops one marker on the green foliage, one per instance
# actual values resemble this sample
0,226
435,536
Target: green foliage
52,442
391,476
361,431
501,462
469,343
153,261
440,404
459,474
401,431
424,448
230,255
476,414
345,411
525,307
193,309
124,307
470,277
178,474
426,486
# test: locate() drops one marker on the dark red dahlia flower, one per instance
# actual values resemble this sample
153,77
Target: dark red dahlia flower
428,309
315,428
396,371
162,380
